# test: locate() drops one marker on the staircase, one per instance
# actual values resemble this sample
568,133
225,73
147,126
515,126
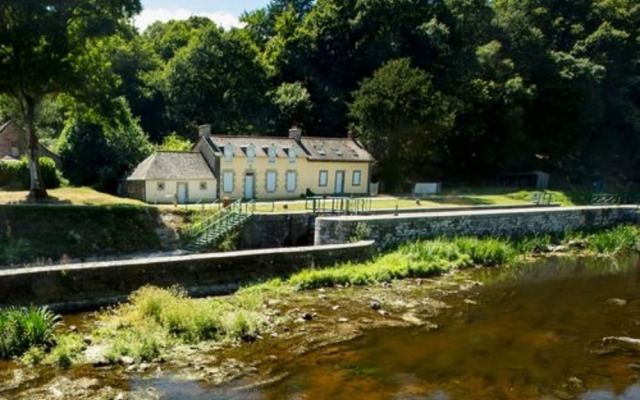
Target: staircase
213,228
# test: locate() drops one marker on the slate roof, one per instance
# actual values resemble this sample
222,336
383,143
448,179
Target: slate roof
167,165
261,143
5,125
334,149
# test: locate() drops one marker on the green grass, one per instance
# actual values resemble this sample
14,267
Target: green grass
155,320
622,239
22,328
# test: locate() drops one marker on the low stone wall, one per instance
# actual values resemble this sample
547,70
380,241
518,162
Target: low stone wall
90,285
390,230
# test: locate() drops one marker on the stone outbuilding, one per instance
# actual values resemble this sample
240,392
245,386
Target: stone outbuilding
14,144
172,177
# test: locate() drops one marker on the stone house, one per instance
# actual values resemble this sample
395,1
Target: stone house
251,167
14,143
172,177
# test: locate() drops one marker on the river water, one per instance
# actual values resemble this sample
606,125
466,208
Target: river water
532,332
529,332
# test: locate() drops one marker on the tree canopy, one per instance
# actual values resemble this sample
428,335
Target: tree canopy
459,90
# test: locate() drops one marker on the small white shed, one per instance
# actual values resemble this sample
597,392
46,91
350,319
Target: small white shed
172,176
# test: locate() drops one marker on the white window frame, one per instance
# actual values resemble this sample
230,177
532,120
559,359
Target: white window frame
354,181
291,185
292,156
323,174
203,186
272,153
251,153
160,186
228,181
271,186
228,152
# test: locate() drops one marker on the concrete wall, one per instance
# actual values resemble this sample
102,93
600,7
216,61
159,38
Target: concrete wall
90,285
390,230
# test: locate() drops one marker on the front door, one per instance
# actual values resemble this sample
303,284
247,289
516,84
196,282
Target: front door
183,193
249,180
339,182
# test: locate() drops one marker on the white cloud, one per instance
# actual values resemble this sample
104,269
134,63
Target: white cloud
147,17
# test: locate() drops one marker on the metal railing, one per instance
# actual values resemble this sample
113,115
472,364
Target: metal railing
337,205
221,222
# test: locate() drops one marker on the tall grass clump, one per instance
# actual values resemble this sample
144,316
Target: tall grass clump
624,238
171,315
22,328
487,252
420,259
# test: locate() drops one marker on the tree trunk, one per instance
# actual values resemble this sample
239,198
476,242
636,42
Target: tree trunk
37,190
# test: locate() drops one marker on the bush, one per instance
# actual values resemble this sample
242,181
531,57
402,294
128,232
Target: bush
15,174
22,328
621,239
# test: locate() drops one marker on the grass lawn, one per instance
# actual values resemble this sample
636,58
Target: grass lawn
452,198
70,195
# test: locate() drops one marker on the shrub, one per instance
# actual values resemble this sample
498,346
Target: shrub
15,174
22,328
623,238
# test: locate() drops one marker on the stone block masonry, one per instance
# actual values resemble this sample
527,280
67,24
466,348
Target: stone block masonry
390,230
74,287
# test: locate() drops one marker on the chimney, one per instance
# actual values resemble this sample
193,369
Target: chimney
204,130
351,135
295,133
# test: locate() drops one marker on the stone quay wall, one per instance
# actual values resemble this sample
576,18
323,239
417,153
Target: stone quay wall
74,287
390,230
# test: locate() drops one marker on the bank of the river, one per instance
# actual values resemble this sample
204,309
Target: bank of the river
161,332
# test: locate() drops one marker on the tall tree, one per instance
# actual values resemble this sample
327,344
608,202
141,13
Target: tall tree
402,117
45,49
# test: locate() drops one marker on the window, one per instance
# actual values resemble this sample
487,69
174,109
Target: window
292,156
271,181
228,152
272,153
322,179
356,179
203,185
15,151
251,153
160,186
291,181
227,181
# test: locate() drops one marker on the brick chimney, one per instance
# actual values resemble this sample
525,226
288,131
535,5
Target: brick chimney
295,133
204,130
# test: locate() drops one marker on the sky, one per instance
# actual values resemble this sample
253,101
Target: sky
224,12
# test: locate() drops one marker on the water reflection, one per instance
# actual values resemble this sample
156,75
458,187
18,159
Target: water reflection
632,393
530,333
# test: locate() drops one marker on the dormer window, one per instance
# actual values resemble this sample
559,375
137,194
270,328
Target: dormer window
292,155
338,152
322,152
251,153
272,153
228,152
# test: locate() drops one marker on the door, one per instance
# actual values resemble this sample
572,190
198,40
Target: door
249,184
182,193
339,182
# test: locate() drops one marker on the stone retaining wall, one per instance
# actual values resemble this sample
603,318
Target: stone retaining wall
390,230
90,285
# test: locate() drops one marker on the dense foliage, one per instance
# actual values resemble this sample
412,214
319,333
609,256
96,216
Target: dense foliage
447,89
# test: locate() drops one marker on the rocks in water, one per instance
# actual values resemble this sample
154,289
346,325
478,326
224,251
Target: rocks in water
562,395
307,316
376,305
624,340
617,302
126,360
343,320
